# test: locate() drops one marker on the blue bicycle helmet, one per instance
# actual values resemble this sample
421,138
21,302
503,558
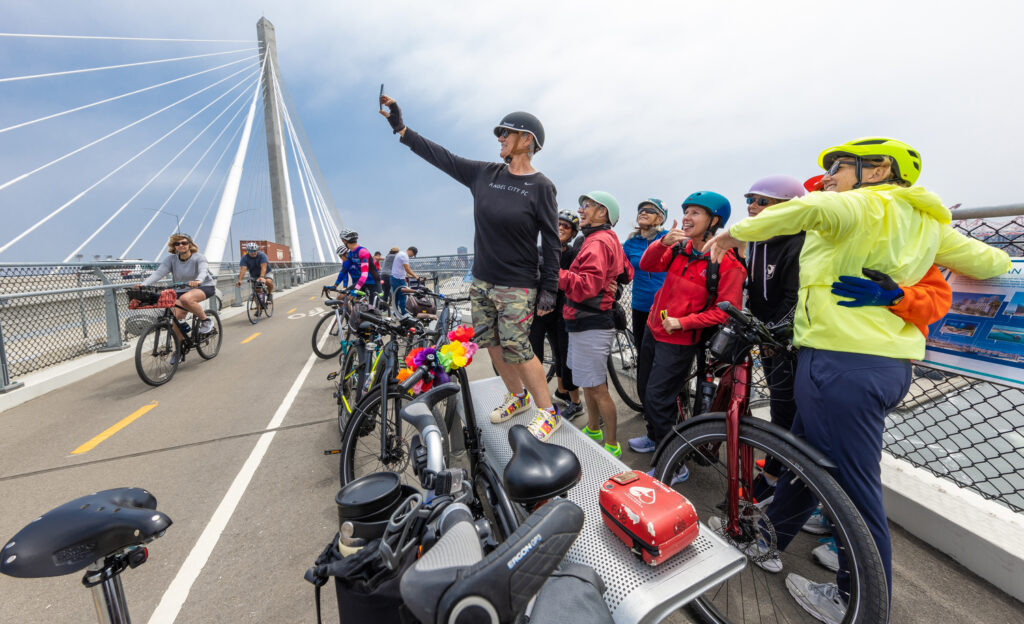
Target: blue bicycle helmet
715,204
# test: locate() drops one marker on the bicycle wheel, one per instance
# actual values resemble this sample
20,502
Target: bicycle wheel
330,325
154,354
754,594
361,443
348,387
268,306
622,366
252,309
208,345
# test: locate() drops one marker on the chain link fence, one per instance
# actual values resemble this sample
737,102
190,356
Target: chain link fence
54,313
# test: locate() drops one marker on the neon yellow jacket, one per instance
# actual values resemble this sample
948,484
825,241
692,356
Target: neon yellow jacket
900,231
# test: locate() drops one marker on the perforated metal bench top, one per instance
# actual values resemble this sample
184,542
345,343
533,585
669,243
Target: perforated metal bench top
636,592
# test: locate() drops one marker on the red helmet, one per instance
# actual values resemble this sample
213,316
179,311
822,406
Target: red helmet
814,184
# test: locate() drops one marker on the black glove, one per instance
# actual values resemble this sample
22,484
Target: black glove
395,118
546,301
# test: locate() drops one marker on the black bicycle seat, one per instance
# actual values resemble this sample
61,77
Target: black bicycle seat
333,302
538,470
76,534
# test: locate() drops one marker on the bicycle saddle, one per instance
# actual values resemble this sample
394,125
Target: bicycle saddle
452,584
76,534
333,302
538,470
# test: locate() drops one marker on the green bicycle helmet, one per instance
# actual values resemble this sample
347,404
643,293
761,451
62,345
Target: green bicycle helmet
906,160
605,199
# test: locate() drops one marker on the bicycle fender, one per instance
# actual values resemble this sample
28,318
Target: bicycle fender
803,445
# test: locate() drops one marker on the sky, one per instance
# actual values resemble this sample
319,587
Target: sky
642,99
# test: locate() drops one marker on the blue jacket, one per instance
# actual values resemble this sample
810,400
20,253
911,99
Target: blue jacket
645,284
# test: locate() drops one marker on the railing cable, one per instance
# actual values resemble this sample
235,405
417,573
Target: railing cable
102,38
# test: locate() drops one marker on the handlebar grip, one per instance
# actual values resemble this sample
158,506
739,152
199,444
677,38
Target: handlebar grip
413,379
733,311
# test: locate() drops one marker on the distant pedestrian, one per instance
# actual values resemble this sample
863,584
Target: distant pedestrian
385,273
400,270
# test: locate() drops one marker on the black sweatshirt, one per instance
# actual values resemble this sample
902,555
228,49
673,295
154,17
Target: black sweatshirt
508,212
774,274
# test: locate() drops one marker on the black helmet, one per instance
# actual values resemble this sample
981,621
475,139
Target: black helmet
523,122
349,236
571,218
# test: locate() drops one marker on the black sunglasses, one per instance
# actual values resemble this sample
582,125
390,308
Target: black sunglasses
650,211
834,169
761,201
181,242
504,132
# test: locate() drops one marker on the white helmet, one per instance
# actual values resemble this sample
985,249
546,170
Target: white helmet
251,246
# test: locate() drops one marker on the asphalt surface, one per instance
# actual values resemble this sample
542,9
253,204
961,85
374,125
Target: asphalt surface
264,502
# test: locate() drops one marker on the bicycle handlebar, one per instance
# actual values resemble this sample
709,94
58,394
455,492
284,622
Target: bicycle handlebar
751,323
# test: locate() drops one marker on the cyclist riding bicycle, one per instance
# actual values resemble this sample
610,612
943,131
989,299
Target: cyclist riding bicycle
854,361
187,266
258,265
513,203
358,265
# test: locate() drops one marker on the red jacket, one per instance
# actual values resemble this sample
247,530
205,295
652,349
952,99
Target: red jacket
590,280
685,292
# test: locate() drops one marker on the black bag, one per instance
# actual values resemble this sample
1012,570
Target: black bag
571,595
367,591
619,317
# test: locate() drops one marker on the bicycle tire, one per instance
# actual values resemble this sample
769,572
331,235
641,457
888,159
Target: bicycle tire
332,346
622,369
360,446
208,345
153,353
252,309
268,306
348,387
754,592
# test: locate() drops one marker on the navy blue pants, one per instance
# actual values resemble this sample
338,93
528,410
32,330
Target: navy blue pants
842,400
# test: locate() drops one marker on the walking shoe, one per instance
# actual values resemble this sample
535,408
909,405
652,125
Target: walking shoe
544,424
756,550
206,326
616,450
827,554
643,444
563,396
572,410
819,599
682,474
817,524
176,358
596,436
511,406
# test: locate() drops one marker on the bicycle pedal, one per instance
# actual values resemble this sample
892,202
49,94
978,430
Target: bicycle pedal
332,452
332,376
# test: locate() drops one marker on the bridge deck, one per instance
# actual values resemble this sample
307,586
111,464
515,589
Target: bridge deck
263,502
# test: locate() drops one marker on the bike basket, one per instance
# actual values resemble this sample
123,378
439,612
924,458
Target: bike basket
729,345
142,298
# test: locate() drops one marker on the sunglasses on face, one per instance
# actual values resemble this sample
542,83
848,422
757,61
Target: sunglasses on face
181,242
503,133
650,211
565,225
834,169
761,201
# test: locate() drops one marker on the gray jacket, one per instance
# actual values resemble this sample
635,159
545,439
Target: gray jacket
193,269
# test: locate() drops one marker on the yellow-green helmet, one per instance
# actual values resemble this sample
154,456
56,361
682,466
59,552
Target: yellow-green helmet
907,162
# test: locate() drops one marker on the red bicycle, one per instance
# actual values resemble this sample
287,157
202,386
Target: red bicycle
725,448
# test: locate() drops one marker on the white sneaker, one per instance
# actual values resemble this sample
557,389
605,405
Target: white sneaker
511,406
817,524
757,551
827,554
819,599
544,424
206,326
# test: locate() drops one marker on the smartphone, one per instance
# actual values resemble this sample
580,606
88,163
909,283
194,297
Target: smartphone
381,95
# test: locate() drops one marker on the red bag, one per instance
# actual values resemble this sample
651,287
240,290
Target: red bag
651,518
146,301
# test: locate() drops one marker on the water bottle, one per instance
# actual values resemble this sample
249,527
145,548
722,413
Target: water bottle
184,327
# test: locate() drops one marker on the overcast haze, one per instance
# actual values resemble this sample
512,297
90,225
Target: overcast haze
639,99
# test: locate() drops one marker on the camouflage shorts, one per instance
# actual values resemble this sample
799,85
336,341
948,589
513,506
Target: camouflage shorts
502,315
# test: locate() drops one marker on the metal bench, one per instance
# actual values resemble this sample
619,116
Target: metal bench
636,592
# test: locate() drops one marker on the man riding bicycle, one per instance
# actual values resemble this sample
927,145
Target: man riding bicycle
258,265
186,266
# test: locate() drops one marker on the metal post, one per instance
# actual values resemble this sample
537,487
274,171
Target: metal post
6,385
81,306
237,303
114,342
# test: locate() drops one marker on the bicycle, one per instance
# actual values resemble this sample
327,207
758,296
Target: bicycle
164,344
334,327
260,302
724,447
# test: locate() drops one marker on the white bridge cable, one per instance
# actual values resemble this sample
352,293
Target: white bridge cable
302,181
227,146
102,38
23,176
138,64
216,165
118,97
74,199
163,169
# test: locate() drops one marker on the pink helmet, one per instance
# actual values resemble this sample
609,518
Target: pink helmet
778,186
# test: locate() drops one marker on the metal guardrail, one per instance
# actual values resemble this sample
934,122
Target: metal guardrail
53,313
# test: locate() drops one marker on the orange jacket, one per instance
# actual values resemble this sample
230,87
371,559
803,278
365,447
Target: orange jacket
926,301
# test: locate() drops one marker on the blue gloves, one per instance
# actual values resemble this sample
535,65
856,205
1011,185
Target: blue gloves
880,290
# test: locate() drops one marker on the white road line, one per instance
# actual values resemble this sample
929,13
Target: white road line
176,594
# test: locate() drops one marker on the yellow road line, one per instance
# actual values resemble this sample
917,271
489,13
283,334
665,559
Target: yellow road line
312,298
290,311
251,337
124,422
